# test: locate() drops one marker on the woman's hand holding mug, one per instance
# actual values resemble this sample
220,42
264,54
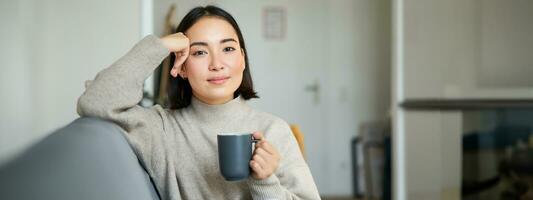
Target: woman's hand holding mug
265,159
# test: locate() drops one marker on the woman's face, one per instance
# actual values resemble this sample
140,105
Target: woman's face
215,64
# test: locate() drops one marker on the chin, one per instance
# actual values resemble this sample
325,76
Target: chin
218,93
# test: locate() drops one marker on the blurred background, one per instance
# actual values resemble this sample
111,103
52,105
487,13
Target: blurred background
396,99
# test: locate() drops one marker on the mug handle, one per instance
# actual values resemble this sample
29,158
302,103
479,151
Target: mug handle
255,140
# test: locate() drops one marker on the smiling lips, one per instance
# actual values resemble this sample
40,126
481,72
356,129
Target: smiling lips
218,80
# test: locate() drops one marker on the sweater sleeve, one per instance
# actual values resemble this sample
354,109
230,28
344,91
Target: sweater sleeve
115,92
292,179
118,89
114,95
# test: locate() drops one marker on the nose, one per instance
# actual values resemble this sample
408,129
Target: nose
215,64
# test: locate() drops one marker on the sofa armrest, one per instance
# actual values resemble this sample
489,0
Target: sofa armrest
88,159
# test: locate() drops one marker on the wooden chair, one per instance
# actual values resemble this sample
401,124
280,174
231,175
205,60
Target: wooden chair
299,138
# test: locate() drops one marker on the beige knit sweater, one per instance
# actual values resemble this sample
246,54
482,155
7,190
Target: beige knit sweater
179,147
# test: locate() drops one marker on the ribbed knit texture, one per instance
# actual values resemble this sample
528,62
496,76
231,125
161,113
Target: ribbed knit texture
179,147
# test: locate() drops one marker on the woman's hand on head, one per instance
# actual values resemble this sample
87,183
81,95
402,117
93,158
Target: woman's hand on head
178,44
265,160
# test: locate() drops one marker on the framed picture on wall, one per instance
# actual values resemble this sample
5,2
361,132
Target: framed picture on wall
274,23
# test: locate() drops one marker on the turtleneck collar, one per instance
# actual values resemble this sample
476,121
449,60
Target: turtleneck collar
210,113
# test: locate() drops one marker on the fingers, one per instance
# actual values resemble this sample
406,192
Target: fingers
186,52
260,167
258,135
262,154
174,72
182,42
263,144
176,68
181,57
265,160
273,157
258,171
261,161
175,42
266,146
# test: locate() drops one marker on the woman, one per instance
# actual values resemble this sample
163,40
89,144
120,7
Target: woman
210,81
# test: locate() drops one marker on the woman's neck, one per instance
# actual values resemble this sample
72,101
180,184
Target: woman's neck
216,101
219,113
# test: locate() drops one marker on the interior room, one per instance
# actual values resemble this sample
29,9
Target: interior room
386,99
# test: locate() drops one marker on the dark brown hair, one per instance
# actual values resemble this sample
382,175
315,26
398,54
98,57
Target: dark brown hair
179,90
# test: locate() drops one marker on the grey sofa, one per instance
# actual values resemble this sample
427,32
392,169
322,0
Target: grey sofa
88,159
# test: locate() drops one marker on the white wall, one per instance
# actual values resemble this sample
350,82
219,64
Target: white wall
506,44
463,49
16,122
48,51
449,51
359,78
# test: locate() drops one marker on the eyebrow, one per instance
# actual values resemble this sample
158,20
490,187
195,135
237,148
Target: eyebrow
205,43
228,40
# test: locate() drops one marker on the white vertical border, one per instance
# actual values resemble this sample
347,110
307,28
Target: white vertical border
399,157
147,28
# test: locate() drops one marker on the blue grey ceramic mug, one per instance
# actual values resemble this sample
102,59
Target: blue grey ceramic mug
234,155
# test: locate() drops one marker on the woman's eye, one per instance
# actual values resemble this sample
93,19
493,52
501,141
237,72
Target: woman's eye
199,53
227,49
